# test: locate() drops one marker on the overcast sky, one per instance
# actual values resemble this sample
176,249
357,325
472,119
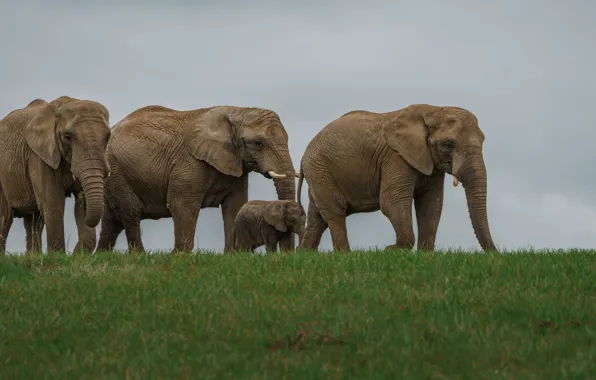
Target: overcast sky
525,68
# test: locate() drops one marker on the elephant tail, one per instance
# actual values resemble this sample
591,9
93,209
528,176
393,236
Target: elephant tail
299,191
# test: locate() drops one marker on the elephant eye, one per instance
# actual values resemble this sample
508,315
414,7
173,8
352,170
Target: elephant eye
448,144
257,144
67,136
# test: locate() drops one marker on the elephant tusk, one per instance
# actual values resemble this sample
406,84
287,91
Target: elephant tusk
109,173
275,175
74,178
455,181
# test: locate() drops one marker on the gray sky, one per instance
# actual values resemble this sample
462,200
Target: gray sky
525,68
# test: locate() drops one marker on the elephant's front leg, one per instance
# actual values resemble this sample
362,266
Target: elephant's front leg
271,243
229,208
185,216
286,243
396,204
33,224
429,205
49,194
53,215
87,235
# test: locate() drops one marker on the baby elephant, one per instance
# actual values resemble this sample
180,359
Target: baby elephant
267,222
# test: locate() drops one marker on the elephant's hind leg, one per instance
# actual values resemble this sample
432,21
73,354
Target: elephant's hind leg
123,210
111,227
315,227
334,213
5,221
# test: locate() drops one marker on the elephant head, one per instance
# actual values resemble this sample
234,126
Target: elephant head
76,131
237,139
283,215
446,139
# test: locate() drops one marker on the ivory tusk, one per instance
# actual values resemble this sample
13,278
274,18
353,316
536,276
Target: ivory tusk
74,178
109,173
455,181
275,175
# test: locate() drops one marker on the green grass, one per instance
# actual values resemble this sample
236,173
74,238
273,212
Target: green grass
381,315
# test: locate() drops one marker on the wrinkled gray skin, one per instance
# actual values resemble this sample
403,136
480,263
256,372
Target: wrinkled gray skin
49,151
266,223
365,161
168,163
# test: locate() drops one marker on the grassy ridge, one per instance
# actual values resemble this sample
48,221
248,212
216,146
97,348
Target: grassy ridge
305,315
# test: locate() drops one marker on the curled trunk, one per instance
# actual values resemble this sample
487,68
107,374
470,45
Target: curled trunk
474,181
92,181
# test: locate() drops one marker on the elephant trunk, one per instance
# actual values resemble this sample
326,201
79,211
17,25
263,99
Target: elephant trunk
92,181
300,233
286,187
474,181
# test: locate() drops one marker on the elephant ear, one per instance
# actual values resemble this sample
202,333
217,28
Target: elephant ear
274,214
209,138
41,138
408,135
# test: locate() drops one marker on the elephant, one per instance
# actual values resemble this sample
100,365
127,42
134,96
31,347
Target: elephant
50,151
169,163
267,222
366,161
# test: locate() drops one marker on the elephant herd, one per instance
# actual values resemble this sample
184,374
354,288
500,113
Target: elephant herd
159,162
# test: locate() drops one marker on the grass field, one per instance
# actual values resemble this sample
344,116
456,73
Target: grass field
306,315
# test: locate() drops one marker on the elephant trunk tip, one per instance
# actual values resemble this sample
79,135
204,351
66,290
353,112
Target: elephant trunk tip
91,220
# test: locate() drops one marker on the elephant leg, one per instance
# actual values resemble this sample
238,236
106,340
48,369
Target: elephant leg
111,227
87,235
55,229
49,194
229,209
242,245
396,204
53,215
429,205
33,229
5,221
334,212
243,241
132,229
130,215
339,232
315,227
185,217
271,244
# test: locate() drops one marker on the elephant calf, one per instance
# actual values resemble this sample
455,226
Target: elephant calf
267,222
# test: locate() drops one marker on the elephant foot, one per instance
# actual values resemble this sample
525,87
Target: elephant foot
398,247
82,249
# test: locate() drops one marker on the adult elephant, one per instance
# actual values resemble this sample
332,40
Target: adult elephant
170,163
49,151
365,161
